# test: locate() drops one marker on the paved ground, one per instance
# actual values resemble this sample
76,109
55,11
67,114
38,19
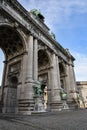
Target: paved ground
71,120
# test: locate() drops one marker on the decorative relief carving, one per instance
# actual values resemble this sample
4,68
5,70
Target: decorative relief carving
14,67
4,19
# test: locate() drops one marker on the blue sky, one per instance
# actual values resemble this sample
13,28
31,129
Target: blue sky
68,20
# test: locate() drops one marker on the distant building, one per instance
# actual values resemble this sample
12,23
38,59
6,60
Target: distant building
38,72
82,93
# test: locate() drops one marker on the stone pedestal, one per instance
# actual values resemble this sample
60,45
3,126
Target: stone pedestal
71,101
65,105
39,106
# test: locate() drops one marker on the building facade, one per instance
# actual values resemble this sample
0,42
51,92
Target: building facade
82,93
37,69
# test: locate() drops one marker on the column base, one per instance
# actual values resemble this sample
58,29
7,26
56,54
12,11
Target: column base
72,104
25,106
65,105
56,106
72,100
39,106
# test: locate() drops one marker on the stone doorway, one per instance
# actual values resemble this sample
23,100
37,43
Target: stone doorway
12,95
43,72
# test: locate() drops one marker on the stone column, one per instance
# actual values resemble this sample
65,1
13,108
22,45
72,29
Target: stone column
26,102
67,79
72,75
55,82
71,90
72,80
35,59
30,58
68,84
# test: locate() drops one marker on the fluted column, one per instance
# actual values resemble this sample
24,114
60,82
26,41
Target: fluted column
35,59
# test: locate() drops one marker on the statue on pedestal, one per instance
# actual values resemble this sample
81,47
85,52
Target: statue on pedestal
39,107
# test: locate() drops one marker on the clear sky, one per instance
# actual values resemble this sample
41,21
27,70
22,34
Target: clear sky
67,19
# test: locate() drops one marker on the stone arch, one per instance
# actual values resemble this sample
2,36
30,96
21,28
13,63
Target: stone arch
19,32
2,57
21,35
10,40
13,45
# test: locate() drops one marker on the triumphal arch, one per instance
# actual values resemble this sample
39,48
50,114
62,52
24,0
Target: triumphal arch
38,72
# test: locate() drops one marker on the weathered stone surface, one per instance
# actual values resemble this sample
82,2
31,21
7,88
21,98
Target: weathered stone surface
32,57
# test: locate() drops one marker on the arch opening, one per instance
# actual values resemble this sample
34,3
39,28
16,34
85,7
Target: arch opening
43,70
2,58
13,46
62,75
10,41
43,59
